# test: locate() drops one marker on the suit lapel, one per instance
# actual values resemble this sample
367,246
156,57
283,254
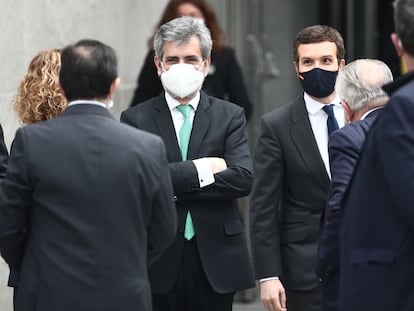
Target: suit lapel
304,140
162,116
200,125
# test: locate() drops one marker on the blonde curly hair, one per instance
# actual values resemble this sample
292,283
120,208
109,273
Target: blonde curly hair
38,96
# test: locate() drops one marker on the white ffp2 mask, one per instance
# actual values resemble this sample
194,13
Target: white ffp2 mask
182,80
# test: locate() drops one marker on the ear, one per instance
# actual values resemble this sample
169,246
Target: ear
157,63
397,44
348,111
207,63
295,64
341,64
114,86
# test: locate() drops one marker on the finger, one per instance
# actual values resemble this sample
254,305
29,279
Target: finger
283,299
268,305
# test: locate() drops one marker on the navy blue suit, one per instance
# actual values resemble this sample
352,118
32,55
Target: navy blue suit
344,147
377,237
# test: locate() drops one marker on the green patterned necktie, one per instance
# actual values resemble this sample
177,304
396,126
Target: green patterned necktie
184,136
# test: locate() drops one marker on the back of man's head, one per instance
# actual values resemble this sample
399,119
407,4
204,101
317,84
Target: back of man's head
88,69
360,83
404,23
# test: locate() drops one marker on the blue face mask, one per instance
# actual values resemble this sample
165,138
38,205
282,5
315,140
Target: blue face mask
318,82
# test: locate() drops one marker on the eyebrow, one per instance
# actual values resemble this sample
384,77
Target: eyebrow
187,57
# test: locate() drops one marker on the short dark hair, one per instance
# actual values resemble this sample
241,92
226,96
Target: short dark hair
404,23
88,69
316,34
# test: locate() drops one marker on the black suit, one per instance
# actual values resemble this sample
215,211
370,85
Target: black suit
4,155
86,205
225,80
218,131
289,194
345,147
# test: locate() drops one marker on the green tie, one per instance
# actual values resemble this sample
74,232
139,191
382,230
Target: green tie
184,136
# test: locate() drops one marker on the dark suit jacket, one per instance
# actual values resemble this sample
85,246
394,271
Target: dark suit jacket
225,80
289,194
4,155
218,131
344,147
86,204
377,240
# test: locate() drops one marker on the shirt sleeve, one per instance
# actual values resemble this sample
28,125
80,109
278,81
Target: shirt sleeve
204,171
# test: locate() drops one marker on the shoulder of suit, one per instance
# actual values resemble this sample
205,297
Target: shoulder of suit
218,103
351,131
286,111
145,105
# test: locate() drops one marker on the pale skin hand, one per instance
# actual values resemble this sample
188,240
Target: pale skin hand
272,295
217,164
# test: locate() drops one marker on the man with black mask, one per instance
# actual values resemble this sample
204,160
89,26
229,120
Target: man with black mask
292,153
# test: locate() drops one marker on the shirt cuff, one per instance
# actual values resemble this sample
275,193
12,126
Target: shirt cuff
269,279
204,171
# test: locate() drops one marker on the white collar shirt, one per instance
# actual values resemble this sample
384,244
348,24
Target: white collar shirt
318,120
176,115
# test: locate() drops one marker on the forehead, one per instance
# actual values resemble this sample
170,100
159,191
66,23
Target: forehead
317,50
190,48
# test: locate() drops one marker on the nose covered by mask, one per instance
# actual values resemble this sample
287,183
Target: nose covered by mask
182,80
318,82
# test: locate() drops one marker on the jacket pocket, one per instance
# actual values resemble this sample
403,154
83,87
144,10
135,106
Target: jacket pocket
233,227
372,256
294,233
296,217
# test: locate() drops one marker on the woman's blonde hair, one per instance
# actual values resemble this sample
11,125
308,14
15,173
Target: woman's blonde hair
38,96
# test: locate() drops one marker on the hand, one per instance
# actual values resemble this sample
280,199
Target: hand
272,295
217,164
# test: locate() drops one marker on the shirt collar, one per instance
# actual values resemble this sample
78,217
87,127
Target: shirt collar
172,102
86,102
314,106
369,111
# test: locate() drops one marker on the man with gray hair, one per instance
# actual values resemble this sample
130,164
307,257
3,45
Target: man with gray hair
359,85
210,166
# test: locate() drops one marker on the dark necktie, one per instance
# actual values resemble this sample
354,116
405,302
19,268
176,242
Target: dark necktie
331,122
184,136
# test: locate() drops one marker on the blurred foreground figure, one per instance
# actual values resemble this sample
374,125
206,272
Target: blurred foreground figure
87,202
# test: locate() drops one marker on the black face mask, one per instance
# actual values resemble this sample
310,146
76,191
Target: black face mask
318,82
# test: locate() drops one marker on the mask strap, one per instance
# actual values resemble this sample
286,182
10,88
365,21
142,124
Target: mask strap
162,67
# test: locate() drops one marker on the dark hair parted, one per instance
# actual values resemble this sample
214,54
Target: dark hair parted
404,23
217,34
88,69
316,34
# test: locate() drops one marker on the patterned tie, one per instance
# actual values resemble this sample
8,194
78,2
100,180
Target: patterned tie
331,122
184,136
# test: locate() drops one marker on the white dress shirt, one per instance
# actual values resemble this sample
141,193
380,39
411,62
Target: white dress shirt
318,120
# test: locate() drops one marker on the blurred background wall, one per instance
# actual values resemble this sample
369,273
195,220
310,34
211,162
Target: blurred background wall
261,31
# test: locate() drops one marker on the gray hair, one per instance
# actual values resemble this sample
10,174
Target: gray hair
360,82
404,23
180,31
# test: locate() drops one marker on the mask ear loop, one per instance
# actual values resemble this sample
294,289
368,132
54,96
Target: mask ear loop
162,67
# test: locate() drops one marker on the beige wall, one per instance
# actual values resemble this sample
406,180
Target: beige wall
31,26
